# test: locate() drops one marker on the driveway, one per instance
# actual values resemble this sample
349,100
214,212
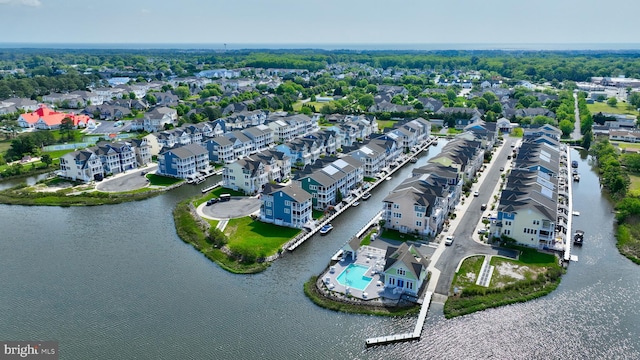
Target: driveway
464,245
235,208
131,180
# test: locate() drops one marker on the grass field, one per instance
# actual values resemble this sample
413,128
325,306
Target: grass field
634,188
158,180
383,124
255,239
621,108
318,105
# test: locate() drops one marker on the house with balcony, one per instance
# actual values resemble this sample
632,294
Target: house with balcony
486,132
543,130
246,175
277,164
156,119
218,128
81,165
195,132
465,155
325,140
419,205
261,135
220,150
183,162
405,269
332,181
299,151
242,145
373,157
116,157
286,205
142,151
453,177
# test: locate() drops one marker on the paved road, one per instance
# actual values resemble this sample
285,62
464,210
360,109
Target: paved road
234,208
576,131
464,246
132,180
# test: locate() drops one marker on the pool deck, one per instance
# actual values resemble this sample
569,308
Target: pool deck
373,259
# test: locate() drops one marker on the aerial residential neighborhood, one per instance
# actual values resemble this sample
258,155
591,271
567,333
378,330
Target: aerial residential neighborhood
444,180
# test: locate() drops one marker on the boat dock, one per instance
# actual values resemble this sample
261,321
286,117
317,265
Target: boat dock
216,185
417,331
568,238
301,238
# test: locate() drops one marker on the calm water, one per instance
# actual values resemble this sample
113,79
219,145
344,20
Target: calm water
116,282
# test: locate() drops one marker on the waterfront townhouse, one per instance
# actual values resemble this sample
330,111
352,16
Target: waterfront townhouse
333,181
277,165
373,157
326,140
194,131
142,151
218,128
405,269
299,152
289,127
419,205
81,165
421,129
346,135
543,130
542,157
183,162
242,145
220,150
452,175
528,209
405,137
116,157
486,132
261,135
245,175
286,205
463,154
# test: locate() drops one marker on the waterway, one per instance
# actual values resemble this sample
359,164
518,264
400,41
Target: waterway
115,281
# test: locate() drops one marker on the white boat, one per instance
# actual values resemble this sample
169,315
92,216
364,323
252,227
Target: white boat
355,203
326,229
576,213
366,196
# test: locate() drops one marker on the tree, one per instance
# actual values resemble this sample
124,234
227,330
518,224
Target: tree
612,101
132,95
151,99
46,159
566,127
66,127
366,101
182,92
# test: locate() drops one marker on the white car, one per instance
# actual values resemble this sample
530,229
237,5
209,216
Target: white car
449,240
476,194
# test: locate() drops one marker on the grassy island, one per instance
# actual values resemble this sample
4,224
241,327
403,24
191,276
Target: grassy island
533,275
246,245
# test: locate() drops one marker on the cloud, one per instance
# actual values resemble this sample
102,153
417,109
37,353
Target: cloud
31,3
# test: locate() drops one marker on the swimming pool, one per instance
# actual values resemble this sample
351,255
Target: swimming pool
353,277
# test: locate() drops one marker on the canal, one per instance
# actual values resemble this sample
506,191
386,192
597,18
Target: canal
115,281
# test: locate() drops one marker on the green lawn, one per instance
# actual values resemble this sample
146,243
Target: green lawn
255,239
316,214
621,108
158,180
383,124
58,153
4,146
318,105
398,236
634,188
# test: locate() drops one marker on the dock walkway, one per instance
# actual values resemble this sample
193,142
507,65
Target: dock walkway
417,331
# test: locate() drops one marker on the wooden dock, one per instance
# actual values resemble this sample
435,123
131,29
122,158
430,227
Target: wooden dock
417,331
300,239
216,185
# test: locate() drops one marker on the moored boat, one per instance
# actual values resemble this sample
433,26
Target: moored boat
578,237
326,229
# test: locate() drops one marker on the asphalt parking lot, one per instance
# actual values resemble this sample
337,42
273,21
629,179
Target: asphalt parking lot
234,208
127,182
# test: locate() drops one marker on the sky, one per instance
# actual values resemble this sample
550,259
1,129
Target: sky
238,22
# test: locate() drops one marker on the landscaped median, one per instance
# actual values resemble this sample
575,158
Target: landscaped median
247,245
533,275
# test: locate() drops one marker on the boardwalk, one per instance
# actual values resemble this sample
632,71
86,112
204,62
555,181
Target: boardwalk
417,331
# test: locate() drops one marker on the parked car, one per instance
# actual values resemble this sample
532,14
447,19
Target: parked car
483,207
448,241
482,231
476,193
501,168
212,201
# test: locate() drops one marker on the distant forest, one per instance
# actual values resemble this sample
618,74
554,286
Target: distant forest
58,70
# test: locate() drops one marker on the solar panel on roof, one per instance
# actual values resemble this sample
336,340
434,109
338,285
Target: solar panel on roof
330,170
